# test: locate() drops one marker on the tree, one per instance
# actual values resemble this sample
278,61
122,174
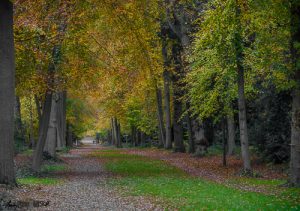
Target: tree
7,93
295,133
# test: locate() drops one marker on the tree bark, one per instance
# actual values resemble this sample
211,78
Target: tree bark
190,134
7,93
161,129
38,153
295,133
166,77
231,134
69,136
52,134
241,95
177,104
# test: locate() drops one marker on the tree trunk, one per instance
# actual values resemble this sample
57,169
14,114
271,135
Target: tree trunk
190,134
69,136
52,134
241,95
224,143
38,108
32,141
61,120
18,121
7,93
119,142
231,134
38,153
295,133
168,141
161,129
133,138
166,77
177,104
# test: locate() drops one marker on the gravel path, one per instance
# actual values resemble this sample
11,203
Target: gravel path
84,188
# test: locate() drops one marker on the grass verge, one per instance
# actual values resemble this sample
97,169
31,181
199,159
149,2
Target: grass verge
38,181
143,176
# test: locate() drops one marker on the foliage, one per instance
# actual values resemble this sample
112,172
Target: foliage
38,181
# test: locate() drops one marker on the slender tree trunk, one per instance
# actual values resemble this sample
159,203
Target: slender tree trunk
231,134
119,142
190,134
224,143
143,139
133,138
32,141
160,116
241,95
7,93
69,136
166,77
295,133
61,120
38,108
38,153
168,144
112,132
18,121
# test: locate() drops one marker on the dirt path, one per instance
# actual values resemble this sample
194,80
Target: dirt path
84,188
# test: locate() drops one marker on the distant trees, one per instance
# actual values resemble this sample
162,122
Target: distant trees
7,93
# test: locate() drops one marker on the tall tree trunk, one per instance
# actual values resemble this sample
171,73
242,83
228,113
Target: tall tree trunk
61,120
7,93
231,134
241,94
52,134
295,133
177,104
160,115
38,153
224,143
166,77
18,121
167,80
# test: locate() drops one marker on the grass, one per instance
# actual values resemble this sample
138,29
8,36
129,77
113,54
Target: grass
38,181
143,176
53,168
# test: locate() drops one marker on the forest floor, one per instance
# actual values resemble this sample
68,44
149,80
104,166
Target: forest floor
95,177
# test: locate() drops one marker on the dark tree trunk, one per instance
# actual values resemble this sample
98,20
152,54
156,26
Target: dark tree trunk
168,141
18,121
38,153
190,134
295,133
224,143
133,138
241,95
69,136
7,93
32,141
161,129
177,122
119,142
231,134
166,77
38,108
